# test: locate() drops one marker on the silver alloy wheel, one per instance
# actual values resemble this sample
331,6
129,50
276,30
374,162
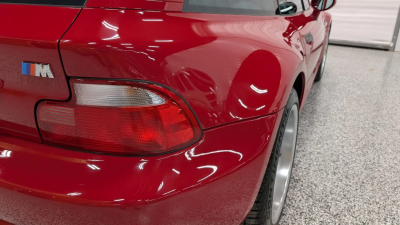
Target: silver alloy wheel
324,57
285,163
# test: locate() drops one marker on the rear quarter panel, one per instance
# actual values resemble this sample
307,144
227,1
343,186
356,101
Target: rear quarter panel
228,67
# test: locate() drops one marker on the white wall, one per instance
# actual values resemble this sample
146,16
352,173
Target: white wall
365,21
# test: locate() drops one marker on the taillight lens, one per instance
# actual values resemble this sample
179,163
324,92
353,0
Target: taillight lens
118,117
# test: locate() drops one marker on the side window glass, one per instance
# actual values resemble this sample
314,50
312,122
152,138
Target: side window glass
238,7
289,7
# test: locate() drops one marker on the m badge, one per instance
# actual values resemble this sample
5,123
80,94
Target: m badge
37,70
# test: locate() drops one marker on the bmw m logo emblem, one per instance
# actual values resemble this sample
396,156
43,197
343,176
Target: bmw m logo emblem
37,70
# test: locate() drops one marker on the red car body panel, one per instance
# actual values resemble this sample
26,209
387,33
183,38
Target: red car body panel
53,186
225,66
22,39
235,71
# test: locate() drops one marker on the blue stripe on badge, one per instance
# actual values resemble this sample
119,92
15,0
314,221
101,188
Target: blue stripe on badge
26,68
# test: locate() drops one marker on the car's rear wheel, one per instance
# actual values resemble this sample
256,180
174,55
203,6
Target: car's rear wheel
271,197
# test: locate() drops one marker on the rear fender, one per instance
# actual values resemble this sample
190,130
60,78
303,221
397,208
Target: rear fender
227,67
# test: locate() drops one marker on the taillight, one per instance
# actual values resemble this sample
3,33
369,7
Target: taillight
118,117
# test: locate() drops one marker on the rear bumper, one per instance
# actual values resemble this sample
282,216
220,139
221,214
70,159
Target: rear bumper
213,182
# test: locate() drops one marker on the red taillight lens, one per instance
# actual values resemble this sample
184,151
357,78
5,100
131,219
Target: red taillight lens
118,117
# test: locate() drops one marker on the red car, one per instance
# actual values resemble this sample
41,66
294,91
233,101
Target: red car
153,112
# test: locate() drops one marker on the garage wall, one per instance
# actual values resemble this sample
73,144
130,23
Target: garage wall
364,22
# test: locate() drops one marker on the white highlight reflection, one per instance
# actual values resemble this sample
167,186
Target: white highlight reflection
164,40
235,117
5,154
109,26
111,38
161,185
152,20
260,107
93,167
240,101
141,165
168,192
190,154
74,194
258,90
95,160
214,168
176,171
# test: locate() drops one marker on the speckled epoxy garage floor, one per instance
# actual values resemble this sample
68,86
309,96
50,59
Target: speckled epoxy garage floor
347,165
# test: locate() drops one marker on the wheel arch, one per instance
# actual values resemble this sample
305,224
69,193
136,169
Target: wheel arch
299,85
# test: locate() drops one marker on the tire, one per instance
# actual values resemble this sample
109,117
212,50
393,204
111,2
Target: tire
263,212
321,68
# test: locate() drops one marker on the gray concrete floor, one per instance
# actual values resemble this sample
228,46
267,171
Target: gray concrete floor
347,165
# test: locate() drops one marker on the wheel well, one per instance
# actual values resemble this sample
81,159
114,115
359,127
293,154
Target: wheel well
299,86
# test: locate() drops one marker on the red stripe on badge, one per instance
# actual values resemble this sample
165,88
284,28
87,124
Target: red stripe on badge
32,70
